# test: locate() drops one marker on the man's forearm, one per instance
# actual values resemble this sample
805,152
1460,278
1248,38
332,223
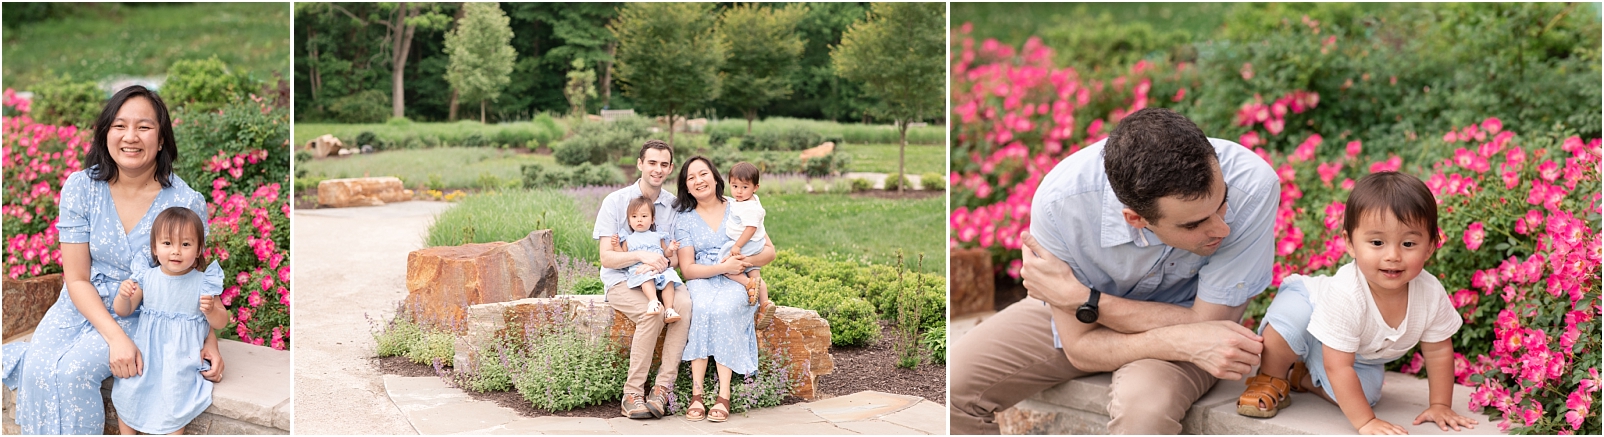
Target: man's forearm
1131,316
1099,349
612,259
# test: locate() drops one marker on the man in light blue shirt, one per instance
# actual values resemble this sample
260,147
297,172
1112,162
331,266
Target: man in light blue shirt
655,163
1143,252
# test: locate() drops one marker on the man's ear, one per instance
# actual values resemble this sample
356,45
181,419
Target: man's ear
1133,219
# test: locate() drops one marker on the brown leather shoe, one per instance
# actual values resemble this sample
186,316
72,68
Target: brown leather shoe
657,402
634,407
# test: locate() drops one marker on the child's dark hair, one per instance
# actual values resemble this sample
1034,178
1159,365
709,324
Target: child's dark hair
1405,196
745,171
176,221
640,202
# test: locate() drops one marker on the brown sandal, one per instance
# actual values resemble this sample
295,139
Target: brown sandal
719,402
1271,392
1299,372
751,292
697,410
765,315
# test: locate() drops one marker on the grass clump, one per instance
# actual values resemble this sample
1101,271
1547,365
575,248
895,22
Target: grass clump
453,167
511,215
404,337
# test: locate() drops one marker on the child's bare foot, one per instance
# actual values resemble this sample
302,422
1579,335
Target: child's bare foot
654,308
670,316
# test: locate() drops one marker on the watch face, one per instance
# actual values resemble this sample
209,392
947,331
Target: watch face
1086,314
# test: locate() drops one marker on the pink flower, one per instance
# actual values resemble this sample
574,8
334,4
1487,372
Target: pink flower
1474,236
1353,149
1415,363
1492,125
1247,71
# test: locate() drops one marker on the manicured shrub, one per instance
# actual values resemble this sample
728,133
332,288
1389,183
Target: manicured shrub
860,185
203,85
932,182
366,138
65,102
602,143
583,175
367,106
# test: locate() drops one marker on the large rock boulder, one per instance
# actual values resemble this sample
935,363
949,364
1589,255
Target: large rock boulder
27,300
340,193
801,335
442,282
324,146
974,287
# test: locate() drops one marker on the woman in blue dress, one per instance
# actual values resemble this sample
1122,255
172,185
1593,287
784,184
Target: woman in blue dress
721,320
104,222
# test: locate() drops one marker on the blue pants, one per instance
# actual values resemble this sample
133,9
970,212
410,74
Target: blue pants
1289,313
752,247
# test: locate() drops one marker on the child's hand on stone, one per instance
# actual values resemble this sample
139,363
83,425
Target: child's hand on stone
1376,426
1445,417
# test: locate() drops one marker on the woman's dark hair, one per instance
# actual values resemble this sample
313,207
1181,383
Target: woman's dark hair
176,221
100,155
1405,196
1156,153
683,201
642,202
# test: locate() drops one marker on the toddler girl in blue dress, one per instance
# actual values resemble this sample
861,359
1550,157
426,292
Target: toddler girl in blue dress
642,236
169,391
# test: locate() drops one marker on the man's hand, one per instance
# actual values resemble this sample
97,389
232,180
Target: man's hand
1048,278
1224,349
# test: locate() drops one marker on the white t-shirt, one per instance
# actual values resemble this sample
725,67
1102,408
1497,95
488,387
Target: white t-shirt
744,214
1347,319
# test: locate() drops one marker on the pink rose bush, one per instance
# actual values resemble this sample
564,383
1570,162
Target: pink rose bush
1519,212
248,220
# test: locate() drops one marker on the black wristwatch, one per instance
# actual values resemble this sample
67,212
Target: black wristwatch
1087,313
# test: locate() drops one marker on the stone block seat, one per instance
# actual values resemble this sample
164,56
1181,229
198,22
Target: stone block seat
254,397
1080,406
802,335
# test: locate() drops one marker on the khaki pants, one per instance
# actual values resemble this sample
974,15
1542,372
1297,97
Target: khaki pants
1011,357
633,303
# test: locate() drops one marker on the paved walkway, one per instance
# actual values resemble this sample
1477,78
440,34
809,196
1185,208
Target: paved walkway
432,407
350,271
1061,409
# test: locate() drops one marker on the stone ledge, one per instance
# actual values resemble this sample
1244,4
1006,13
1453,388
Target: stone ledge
254,397
1080,406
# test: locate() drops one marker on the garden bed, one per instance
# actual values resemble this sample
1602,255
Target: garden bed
874,367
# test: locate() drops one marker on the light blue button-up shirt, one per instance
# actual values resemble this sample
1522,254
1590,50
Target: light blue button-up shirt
1076,217
612,218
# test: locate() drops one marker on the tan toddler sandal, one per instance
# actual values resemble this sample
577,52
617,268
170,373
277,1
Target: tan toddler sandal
1299,372
1265,396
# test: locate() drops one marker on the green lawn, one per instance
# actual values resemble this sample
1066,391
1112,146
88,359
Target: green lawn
810,224
457,167
882,158
820,224
109,40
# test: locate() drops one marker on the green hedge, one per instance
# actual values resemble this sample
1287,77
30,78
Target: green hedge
853,295
852,133
385,133
65,102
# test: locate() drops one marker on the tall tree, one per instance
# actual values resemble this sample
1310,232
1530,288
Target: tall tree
669,56
399,24
581,87
898,56
758,69
481,54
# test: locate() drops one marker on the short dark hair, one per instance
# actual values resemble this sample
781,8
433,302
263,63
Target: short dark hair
1156,153
1405,196
640,202
683,202
745,171
100,155
176,221
655,144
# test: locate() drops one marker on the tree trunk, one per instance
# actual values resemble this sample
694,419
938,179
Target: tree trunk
902,154
317,81
399,49
671,127
481,111
750,114
452,116
607,76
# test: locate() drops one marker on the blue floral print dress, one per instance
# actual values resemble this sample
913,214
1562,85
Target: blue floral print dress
721,321
57,376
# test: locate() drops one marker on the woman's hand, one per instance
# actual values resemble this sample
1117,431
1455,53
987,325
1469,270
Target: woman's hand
733,265
124,357
211,353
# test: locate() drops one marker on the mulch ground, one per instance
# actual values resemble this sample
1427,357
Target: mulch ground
856,369
874,367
